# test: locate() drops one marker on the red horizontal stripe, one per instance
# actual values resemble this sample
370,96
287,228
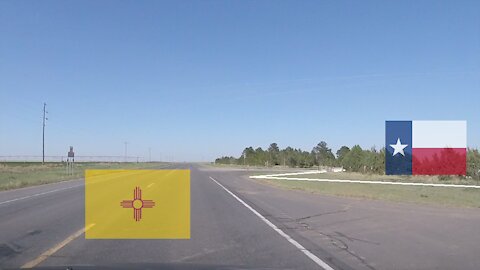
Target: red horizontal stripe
439,161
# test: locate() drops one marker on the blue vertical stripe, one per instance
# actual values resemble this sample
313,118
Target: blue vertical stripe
398,163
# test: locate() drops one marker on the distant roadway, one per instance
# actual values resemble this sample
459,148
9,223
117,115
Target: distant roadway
236,221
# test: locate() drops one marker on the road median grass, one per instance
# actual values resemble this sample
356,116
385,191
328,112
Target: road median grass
430,179
445,196
22,174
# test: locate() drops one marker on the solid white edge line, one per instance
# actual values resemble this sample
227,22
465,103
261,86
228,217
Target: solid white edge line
276,177
38,194
305,251
295,173
363,182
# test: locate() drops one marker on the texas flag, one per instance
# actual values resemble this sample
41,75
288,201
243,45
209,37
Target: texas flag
426,147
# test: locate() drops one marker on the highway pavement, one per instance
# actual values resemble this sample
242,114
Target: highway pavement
238,222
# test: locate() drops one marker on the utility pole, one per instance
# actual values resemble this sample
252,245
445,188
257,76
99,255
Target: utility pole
126,143
43,132
149,154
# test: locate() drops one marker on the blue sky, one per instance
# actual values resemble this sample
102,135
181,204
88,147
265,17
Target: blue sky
200,79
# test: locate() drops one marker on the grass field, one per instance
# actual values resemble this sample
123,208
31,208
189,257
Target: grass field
21,174
393,178
459,197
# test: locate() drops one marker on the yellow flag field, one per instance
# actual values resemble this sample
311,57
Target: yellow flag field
137,204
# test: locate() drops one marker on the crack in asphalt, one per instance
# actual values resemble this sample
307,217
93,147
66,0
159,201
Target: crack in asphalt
344,246
8,250
345,209
352,239
300,225
341,244
335,240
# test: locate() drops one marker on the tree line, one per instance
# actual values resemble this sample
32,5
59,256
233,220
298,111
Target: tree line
354,159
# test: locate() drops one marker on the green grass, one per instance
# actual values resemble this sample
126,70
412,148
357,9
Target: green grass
458,197
393,178
21,174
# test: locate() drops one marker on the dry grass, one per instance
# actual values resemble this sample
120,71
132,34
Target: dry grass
459,197
21,174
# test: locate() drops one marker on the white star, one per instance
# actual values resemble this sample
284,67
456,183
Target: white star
398,148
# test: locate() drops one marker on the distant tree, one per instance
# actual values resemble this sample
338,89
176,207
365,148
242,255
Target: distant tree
248,156
374,161
322,154
341,153
273,151
473,163
273,148
354,159
226,160
288,156
379,166
260,157
292,162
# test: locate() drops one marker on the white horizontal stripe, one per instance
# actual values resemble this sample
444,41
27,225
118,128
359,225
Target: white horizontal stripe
38,194
288,174
367,182
439,134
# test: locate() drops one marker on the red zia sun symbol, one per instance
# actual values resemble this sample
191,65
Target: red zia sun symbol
137,204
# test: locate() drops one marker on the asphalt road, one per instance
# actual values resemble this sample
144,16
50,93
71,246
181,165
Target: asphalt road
343,232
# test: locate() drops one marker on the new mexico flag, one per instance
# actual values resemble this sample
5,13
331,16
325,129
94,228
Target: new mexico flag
137,204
